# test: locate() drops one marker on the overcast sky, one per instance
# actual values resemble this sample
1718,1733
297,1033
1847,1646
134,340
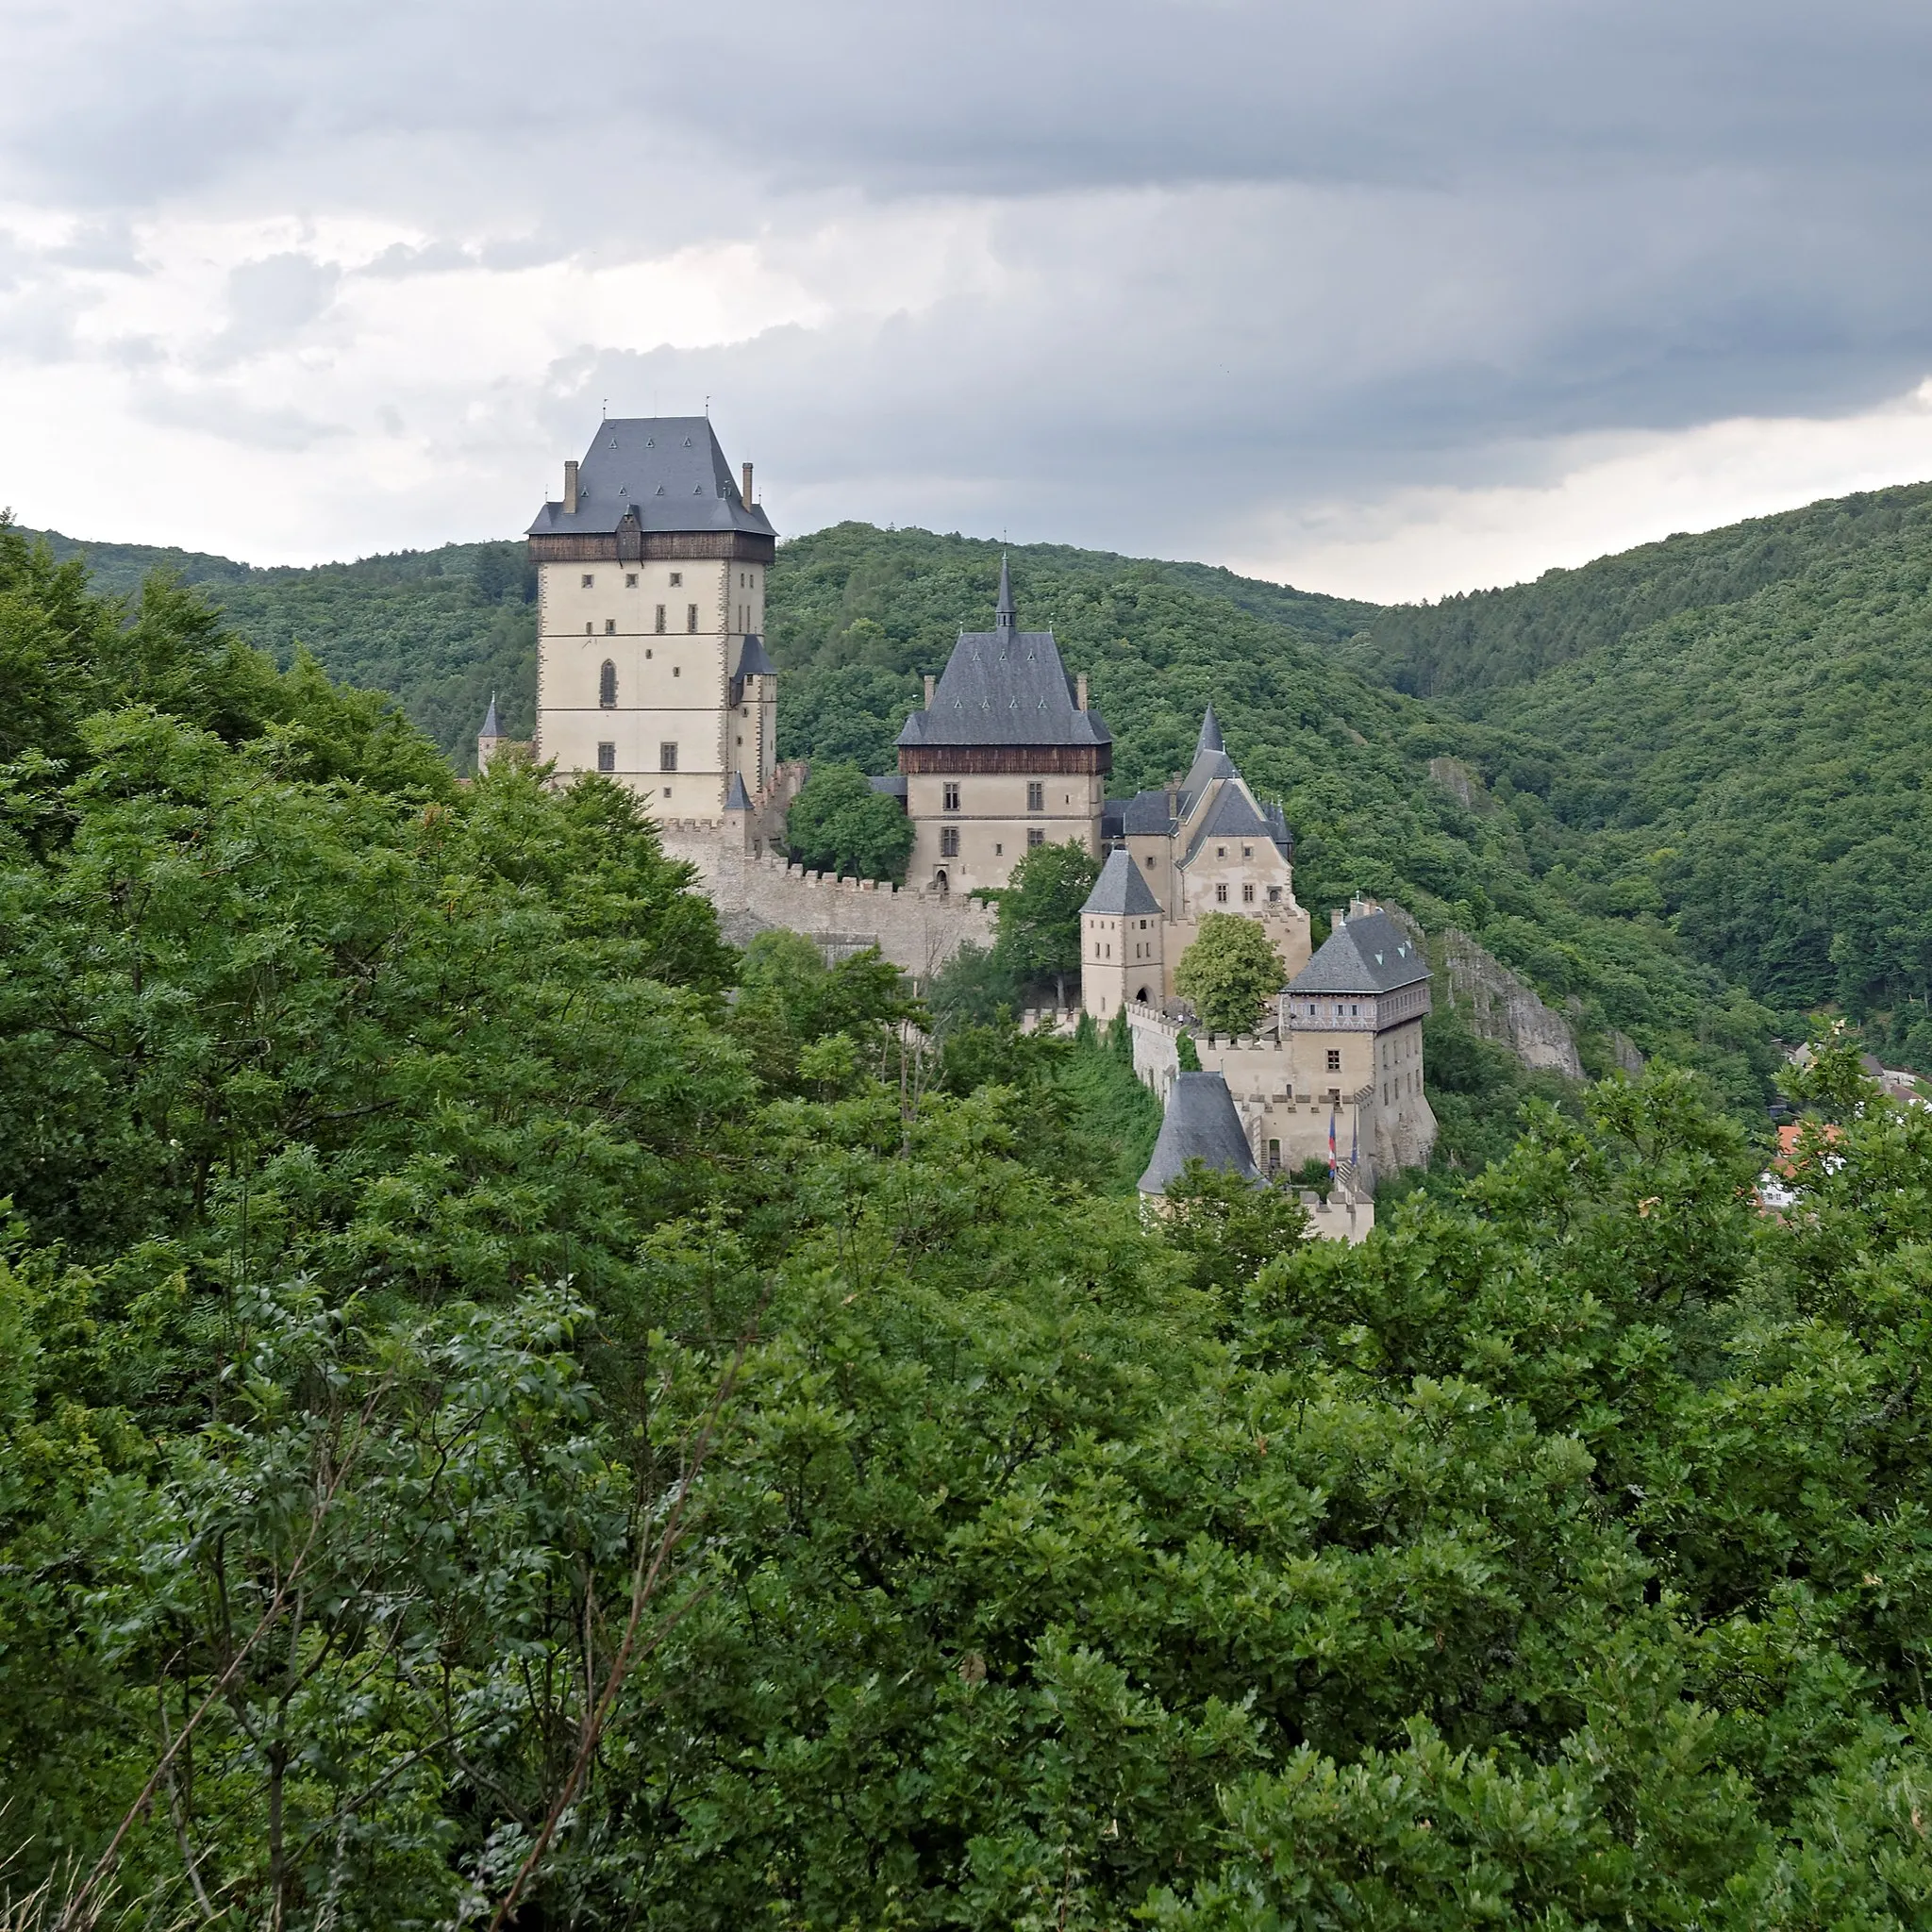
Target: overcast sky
1389,298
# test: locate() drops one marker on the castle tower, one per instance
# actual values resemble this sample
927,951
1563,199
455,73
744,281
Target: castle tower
1006,756
1120,941
651,664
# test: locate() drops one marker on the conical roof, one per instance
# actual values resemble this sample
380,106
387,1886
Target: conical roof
735,797
1200,1123
1005,617
490,726
1120,891
1209,739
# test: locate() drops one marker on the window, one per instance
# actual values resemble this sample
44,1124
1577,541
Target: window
667,758
587,626
611,627
999,851
1035,798
1273,1154
607,758
660,620
1036,835
1221,851
676,579
1150,861
606,686
951,796
1335,1059
691,617
588,580
1247,852
630,580
1221,895
1273,895
1247,895
678,671
949,842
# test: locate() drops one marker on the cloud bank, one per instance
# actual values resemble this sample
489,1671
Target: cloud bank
1391,300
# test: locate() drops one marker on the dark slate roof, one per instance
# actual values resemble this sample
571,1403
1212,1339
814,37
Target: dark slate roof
1120,891
735,797
1146,814
1231,816
1113,819
1005,686
1369,954
892,785
1208,765
1209,739
667,470
751,661
490,726
1200,1125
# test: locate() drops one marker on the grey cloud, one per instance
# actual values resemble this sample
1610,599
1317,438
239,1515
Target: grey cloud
272,299
212,411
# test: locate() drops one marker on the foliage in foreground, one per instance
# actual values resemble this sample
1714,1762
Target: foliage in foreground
399,1190
839,824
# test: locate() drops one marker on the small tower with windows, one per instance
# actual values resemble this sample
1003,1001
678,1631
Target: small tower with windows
1120,941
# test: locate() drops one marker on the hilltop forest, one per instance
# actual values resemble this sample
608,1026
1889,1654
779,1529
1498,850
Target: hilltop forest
513,1412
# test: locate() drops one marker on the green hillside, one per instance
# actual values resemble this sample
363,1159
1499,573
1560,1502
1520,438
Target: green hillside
857,614
514,1413
1739,724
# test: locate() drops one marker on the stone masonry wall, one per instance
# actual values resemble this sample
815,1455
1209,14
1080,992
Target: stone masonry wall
917,931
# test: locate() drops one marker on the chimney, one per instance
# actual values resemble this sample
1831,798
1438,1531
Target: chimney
745,491
1080,691
929,689
570,488
1337,920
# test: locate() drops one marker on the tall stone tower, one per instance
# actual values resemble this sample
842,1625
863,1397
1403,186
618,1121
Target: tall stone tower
651,664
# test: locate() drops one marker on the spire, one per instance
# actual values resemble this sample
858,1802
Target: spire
735,797
1210,733
1003,619
490,726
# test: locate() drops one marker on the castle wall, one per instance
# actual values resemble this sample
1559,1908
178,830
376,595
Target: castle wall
917,931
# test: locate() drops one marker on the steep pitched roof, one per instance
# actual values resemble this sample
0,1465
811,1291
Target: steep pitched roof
490,725
1209,739
1369,954
1200,1123
1005,686
735,797
666,471
1231,816
892,785
1120,891
1145,815
752,660
1208,765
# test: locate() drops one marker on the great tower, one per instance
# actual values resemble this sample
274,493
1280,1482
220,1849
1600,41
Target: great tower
651,664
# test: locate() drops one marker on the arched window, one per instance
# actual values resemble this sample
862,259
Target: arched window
606,686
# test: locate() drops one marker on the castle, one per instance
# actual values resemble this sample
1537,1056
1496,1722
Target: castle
652,669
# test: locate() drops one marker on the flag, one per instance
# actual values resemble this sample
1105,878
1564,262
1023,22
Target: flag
1331,1147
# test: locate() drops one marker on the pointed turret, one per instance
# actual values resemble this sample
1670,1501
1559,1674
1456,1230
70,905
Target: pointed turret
735,797
1210,733
1004,618
489,739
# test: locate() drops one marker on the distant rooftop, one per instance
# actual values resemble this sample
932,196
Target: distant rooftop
1200,1123
1369,952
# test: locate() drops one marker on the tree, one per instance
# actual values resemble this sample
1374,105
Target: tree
839,824
1038,932
1231,972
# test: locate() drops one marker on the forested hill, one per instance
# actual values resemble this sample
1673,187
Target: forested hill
1486,638
857,614
1736,729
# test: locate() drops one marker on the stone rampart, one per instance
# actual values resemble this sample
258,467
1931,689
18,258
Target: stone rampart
755,891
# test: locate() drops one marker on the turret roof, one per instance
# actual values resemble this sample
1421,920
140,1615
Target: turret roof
735,797
1200,1123
1209,739
1120,891
490,725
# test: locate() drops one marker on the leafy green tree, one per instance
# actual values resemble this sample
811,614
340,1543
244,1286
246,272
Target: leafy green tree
839,823
1039,930
1231,972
